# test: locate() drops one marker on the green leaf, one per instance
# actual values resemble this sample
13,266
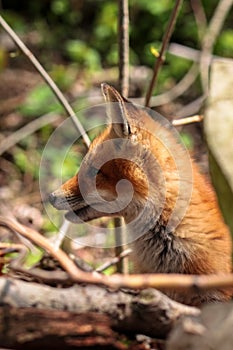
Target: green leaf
187,140
39,101
81,53
224,45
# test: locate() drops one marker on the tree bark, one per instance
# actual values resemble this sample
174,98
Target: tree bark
30,328
33,315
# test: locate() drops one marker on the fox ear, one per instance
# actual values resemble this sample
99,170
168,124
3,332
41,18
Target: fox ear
117,110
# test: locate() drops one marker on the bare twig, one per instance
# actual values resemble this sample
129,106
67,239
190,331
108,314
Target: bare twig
200,17
55,90
190,53
175,91
187,120
114,261
42,242
61,234
165,42
6,248
137,281
184,51
15,264
191,108
209,39
123,28
47,78
26,130
123,48
179,88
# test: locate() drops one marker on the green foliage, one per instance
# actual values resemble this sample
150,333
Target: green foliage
3,59
39,101
88,33
109,271
15,20
106,24
156,8
63,76
224,45
48,226
27,162
69,166
177,66
33,257
78,51
187,140
60,7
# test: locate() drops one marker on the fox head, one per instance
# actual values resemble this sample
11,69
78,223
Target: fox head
128,170
137,168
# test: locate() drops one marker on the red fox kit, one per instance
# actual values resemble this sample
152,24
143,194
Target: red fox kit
171,233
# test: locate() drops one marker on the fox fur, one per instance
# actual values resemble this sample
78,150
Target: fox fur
199,243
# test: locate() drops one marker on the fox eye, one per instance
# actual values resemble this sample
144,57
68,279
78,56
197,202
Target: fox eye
92,171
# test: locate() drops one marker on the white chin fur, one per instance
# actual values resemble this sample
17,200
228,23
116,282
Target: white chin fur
73,217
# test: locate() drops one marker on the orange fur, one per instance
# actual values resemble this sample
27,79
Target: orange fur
200,244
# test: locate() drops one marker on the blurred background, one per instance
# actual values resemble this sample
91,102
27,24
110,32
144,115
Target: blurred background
77,43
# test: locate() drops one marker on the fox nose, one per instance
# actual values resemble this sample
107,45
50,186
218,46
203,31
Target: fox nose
58,200
52,198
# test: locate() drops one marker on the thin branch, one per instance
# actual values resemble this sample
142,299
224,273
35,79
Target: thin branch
27,130
209,39
136,281
6,248
15,264
190,53
68,265
123,28
200,17
161,58
123,49
184,51
176,91
114,261
61,234
57,92
182,86
191,108
187,120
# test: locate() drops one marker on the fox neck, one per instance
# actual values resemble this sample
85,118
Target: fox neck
194,246
154,200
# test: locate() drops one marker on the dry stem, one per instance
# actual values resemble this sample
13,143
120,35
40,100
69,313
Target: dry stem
26,130
166,39
46,77
115,260
123,28
61,98
136,281
209,39
187,120
123,49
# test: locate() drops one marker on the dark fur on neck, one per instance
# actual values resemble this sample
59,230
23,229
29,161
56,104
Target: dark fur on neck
160,251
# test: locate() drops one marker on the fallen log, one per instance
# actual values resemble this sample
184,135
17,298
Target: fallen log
32,313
